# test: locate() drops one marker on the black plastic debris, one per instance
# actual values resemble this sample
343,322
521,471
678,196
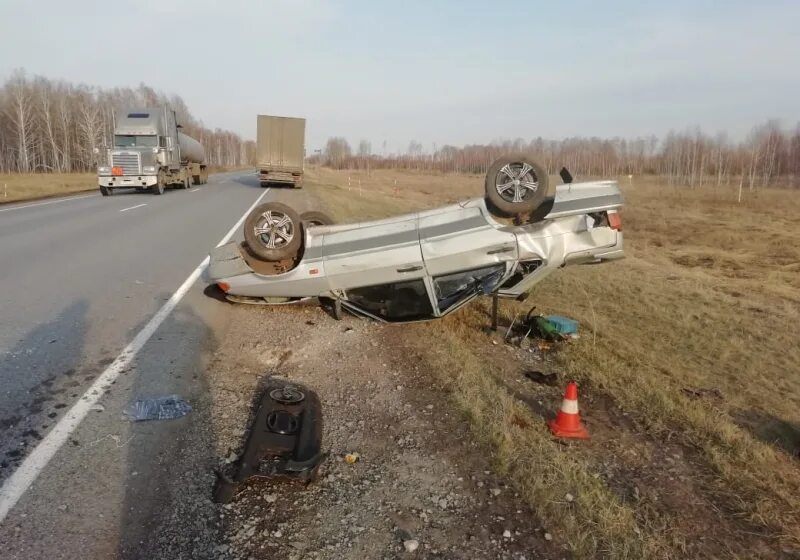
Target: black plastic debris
284,441
543,378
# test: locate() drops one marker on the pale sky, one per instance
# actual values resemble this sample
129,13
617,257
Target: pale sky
448,72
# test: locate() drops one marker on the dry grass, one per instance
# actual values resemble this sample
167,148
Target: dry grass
29,186
25,186
708,297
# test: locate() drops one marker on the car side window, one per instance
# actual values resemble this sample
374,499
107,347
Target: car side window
399,301
453,288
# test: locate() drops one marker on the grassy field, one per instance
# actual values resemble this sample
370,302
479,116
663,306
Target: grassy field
29,186
25,186
688,364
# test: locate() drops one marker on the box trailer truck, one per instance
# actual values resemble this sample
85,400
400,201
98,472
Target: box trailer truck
280,150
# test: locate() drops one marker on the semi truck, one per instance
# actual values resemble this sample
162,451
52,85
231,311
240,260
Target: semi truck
150,152
280,150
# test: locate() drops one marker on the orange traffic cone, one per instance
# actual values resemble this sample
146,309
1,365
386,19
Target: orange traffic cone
567,423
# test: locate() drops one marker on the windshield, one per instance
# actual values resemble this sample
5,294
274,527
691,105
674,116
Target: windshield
131,141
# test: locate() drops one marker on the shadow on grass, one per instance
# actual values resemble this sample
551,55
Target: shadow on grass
772,430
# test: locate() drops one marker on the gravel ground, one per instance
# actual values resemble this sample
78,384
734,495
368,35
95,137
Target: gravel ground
422,488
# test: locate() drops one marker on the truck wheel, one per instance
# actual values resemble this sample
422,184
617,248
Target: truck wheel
264,184
272,231
105,191
158,188
516,185
315,218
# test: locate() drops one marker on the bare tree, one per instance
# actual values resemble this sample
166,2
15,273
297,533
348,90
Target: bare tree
55,126
20,113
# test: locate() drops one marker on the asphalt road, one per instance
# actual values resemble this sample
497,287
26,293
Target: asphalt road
80,278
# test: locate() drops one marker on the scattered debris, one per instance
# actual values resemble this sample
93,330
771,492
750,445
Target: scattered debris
411,545
543,378
699,392
546,329
97,408
284,440
563,325
351,458
506,534
161,408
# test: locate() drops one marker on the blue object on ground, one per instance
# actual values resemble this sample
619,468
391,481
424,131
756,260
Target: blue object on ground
161,408
564,325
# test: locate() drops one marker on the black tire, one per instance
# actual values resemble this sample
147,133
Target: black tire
314,218
264,184
105,191
196,179
516,185
158,188
267,225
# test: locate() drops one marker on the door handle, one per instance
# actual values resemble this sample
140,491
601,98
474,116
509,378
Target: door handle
503,250
409,268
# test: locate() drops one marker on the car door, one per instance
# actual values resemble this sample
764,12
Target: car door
375,253
463,239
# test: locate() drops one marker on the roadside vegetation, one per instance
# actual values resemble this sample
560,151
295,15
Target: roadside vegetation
687,363
15,187
26,186
53,126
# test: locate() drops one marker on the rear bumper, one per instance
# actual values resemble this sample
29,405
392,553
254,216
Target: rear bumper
280,177
597,255
127,181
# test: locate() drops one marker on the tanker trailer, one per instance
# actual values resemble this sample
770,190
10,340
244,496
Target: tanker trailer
193,156
149,152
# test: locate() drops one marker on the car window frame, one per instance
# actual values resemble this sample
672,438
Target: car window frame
469,298
360,310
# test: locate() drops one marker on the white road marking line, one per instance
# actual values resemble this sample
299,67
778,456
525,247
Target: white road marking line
33,465
133,207
45,203
195,190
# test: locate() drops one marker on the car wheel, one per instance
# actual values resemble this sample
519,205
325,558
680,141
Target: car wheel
272,231
516,185
315,218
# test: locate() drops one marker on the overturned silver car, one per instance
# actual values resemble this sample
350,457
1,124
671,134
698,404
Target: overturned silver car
427,264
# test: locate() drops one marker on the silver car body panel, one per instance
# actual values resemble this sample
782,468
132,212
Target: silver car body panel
431,243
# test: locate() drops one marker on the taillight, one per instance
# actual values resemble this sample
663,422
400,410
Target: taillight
614,221
224,286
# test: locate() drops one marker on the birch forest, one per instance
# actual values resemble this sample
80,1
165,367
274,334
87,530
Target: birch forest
54,126
768,156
